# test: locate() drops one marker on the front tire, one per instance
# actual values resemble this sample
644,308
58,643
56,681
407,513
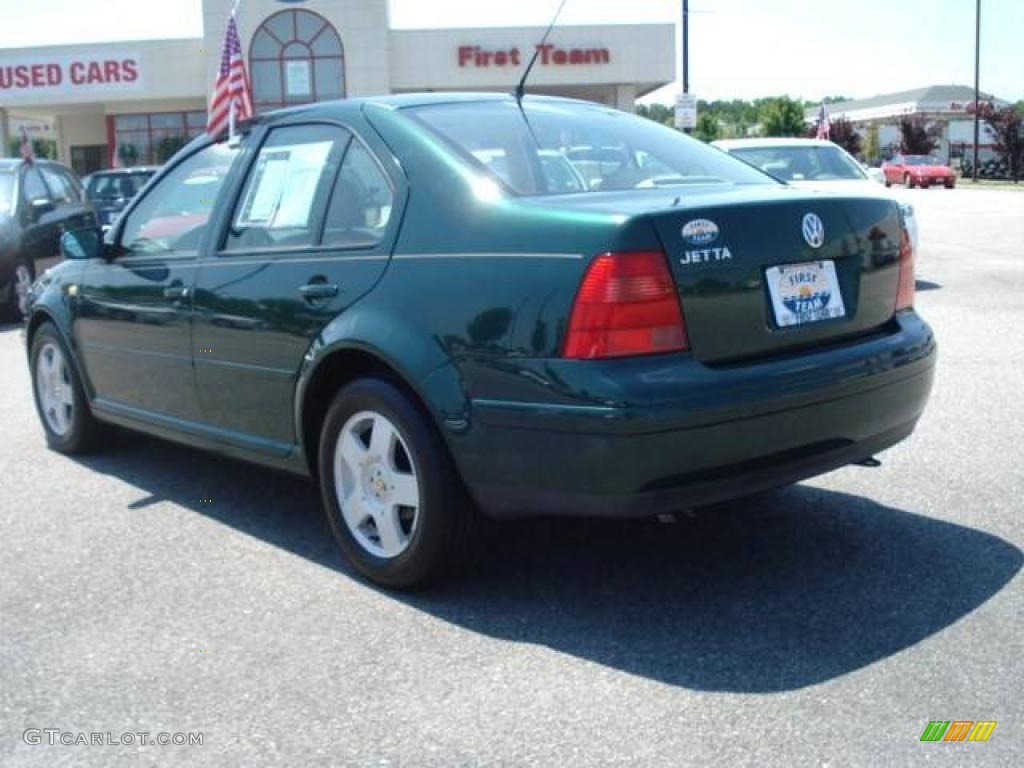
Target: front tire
908,181
393,499
60,398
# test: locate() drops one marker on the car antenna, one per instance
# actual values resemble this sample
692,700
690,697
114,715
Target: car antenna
521,88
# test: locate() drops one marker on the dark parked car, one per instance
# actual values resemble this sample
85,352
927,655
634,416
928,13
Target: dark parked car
39,201
352,293
112,190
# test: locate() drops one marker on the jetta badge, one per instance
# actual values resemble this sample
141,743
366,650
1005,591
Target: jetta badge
813,229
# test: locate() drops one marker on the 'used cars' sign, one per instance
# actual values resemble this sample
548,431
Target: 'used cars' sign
69,74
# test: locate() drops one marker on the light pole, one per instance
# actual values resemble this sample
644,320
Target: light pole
686,51
977,91
686,46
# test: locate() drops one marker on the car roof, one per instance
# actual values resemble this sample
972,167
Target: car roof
125,171
406,100
13,163
344,108
767,143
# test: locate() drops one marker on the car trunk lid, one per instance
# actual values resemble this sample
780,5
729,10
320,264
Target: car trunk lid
736,235
726,280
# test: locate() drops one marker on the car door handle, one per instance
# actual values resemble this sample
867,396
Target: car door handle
176,292
314,291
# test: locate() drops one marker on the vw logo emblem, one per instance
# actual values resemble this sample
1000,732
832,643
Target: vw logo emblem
813,229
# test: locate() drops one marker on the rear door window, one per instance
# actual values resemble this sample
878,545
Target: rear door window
286,192
361,202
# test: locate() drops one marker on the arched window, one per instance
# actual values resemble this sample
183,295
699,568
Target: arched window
296,57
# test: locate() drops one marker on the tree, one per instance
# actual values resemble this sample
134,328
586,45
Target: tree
707,128
44,149
782,116
916,136
127,154
842,133
1007,128
659,113
167,147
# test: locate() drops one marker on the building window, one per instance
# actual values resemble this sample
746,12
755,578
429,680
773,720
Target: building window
152,139
295,57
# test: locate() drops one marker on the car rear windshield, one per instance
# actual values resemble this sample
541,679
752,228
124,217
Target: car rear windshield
802,163
111,186
562,148
6,192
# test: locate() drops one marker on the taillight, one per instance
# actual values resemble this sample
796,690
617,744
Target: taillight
905,292
626,305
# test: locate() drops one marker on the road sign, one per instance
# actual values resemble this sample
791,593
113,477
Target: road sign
686,110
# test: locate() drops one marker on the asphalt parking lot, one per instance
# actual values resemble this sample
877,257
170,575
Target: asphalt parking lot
150,588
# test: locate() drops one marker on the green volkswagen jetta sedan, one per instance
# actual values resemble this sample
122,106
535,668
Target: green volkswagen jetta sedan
447,304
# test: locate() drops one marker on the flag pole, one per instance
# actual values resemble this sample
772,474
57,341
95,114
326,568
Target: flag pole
231,105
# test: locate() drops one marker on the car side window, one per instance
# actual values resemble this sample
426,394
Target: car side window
283,200
33,187
361,202
173,215
75,188
61,190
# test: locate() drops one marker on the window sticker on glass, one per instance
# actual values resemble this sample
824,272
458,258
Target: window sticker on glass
283,186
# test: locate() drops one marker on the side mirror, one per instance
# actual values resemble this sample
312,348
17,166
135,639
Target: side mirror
40,206
82,244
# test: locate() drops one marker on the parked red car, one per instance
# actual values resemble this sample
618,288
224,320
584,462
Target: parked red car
918,171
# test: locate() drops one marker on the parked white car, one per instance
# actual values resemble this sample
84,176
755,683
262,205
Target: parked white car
814,163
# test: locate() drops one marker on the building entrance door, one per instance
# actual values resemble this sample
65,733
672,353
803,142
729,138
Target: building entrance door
87,159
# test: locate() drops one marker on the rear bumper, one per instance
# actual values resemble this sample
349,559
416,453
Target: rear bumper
703,435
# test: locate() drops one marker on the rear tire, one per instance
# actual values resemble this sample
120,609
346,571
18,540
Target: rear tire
949,184
393,499
888,184
60,398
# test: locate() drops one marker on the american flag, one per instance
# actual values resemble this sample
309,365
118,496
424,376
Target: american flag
26,146
824,129
232,98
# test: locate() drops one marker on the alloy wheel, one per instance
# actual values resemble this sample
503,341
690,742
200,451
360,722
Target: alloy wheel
55,390
376,484
22,283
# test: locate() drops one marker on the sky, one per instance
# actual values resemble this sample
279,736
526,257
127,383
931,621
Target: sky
738,48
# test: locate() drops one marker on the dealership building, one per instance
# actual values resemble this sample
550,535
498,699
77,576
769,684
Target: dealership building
142,100
949,109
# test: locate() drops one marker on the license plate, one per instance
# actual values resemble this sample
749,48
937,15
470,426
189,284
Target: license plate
805,293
